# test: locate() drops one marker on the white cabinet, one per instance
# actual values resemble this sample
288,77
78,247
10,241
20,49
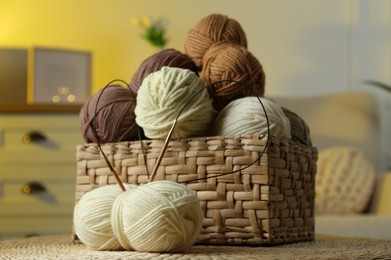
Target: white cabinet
37,173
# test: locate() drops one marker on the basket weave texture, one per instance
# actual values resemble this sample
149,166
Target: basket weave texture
269,202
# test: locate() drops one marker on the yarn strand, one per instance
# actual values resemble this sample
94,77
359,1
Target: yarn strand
247,166
94,128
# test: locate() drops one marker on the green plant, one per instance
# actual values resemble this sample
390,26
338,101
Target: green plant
153,30
379,84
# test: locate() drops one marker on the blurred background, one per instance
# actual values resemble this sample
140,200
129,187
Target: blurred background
306,47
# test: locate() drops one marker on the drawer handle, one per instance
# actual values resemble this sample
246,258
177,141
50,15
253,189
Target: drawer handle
33,188
31,235
34,137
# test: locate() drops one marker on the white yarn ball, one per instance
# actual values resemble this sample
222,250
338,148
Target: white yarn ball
161,96
161,216
92,218
246,116
344,181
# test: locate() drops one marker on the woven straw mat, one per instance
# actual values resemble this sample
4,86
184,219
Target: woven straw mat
324,247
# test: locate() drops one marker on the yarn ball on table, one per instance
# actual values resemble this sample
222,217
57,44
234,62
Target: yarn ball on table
166,57
344,182
161,216
92,218
163,94
212,29
227,61
115,119
246,116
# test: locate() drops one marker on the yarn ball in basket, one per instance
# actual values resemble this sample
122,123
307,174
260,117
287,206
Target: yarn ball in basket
166,57
92,218
160,216
300,131
344,181
228,61
212,29
163,94
115,119
246,116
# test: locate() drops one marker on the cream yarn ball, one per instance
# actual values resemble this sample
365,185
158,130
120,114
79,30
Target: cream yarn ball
344,181
92,217
161,96
161,216
246,116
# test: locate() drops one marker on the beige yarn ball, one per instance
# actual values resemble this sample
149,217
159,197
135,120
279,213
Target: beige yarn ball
92,218
162,95
161,216
344,181
246,116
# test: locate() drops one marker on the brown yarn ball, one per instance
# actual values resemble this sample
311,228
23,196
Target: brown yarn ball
166,57
115,119
228,61
300,131
212,29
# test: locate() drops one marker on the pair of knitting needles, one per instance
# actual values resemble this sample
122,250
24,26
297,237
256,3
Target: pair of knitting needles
155,168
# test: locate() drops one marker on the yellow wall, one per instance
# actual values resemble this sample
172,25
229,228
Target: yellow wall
100,26
103,27
299,43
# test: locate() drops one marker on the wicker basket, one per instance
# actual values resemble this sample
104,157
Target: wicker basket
270,202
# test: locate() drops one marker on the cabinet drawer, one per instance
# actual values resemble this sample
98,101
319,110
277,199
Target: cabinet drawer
56,198
22,227
61,131
59,145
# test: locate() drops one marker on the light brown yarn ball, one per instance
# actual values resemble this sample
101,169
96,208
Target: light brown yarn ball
115,119
228,61
212,29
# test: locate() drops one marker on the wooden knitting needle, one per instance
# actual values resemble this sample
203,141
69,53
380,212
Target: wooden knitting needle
160,158
120,183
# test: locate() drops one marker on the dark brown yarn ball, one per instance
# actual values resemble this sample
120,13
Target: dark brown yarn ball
115,119
166,57
212,29
300,131
228,61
